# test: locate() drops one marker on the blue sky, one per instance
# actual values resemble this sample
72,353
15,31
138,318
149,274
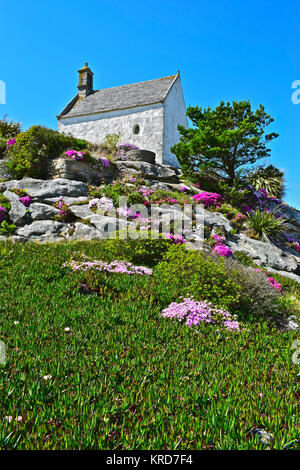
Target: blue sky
225,49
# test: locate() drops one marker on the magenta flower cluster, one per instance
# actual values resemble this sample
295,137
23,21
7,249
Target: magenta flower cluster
271,280
9,144
222,250
208,199
146,192
64,207
219,238
274,283
2,213
25,200
177,239
195,312
293,243
123,267
75,155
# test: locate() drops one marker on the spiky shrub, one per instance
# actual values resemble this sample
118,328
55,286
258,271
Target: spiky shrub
269,178
32,148
266,224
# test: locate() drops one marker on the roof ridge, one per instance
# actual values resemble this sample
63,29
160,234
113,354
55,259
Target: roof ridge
137,83
120,97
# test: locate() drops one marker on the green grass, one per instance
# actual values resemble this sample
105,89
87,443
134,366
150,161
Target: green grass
124,377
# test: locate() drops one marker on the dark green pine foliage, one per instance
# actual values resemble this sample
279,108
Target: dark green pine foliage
225,139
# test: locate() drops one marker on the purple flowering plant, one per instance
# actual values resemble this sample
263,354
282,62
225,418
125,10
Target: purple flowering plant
195,312
75,155
65,213
25,200
117,266
3,213
222,250
208,199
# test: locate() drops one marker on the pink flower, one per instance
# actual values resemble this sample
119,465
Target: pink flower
25,200
75,155
195,312
177,239
222,250
18,419
2,213
218,238
274,283
208,199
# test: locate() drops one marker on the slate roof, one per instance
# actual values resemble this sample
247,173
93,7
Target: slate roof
120,97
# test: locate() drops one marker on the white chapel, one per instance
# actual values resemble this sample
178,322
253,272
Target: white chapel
145,114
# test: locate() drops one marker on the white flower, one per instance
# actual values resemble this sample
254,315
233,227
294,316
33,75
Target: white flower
47,377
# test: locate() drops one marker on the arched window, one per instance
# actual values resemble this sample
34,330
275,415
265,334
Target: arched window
136,129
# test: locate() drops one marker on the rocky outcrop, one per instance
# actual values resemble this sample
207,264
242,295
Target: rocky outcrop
265,254
141,162
217,220
141,156
42,230
18,213
66,168
37,222
45,189
147,171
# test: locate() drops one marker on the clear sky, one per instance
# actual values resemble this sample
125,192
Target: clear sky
225,50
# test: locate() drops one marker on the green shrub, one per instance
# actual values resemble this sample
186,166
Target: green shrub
4,202
142,252
228,210
6,228
162,197
194,273
243,258
29,155
8,130
224,282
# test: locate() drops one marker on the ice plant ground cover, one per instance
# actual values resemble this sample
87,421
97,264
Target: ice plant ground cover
84,372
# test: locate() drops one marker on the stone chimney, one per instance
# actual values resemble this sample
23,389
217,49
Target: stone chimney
85,81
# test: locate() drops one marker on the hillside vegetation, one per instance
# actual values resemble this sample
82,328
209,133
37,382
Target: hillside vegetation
92,363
